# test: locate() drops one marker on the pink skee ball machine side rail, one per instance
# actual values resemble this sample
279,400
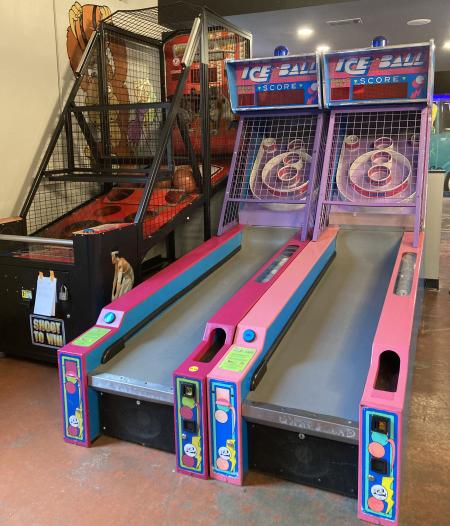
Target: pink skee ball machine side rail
383,407
191,417
229,383
77,359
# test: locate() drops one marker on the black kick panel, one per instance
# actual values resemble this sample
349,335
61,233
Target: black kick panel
306,459
138,421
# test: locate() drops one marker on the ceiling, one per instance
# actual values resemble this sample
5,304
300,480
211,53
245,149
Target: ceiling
383,17
237,7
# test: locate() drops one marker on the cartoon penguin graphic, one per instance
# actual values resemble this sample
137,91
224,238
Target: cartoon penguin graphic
227,456
75,427
192,453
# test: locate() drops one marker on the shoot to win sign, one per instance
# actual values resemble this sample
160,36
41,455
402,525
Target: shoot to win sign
47,332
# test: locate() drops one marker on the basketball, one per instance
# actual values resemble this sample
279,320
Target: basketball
184,180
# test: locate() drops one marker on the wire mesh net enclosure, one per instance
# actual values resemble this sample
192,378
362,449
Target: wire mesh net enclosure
100,165
374,161
316,178
274,163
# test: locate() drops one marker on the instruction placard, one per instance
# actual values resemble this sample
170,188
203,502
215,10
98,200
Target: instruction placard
91,336
45,300
237,359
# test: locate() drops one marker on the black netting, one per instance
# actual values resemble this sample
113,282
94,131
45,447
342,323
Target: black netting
113,125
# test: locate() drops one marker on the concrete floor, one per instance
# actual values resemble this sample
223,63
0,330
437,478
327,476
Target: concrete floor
44,481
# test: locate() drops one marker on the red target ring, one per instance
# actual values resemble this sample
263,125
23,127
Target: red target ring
379,175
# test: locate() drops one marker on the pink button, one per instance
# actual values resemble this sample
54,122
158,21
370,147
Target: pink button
222,464
375,504
188,461
221,416
70,387
186,413
72,431
376,450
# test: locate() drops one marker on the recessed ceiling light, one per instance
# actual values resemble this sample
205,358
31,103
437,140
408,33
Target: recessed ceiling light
446,45
323,48
418,22
305,32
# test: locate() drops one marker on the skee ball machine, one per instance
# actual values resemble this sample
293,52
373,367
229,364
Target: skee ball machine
330,407
273,182
118,377
123,169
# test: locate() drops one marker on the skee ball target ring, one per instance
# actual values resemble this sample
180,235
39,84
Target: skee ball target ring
280,170
380,181
381,157
285,175
379,175
394,179
383,143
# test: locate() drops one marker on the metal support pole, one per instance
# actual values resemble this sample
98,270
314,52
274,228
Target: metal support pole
204,112
37,240
104,99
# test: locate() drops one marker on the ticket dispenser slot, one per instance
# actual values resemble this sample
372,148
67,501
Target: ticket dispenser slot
379,424
189,426
188,392
379,466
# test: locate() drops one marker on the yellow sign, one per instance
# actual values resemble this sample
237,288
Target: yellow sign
193,368
27,294
237,359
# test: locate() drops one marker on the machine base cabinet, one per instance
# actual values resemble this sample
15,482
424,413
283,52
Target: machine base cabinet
138,421
305,459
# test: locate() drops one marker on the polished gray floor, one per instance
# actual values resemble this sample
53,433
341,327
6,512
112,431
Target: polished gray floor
146,364
321,364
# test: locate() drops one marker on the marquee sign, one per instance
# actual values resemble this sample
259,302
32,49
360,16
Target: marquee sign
274,83
377,75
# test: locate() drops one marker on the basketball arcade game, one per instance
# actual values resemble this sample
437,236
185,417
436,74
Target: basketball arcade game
222,46
330,407
118,377
123,169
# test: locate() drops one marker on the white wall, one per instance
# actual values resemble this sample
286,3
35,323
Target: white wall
28,93
34,73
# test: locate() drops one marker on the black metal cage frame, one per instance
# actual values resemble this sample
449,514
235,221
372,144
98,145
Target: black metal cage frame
93,125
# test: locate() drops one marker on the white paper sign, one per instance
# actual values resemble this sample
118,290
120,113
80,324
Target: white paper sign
45,296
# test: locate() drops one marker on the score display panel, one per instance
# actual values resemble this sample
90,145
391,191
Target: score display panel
378,75
274,83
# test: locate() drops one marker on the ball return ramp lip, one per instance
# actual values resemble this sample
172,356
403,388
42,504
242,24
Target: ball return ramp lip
315,379
144,368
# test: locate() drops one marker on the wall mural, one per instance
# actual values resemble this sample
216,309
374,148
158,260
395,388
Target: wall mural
84,20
